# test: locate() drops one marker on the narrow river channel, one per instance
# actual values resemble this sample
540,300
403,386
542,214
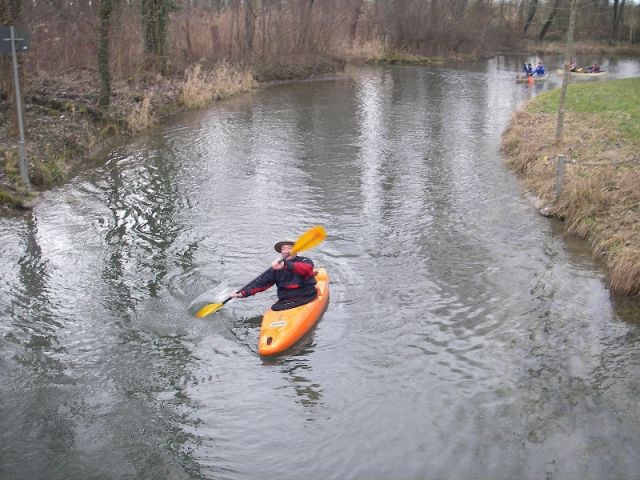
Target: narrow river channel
466,337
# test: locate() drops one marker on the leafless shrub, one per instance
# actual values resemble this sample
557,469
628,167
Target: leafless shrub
201,88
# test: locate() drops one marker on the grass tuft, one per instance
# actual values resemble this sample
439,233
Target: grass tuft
141,117
201,88
11,200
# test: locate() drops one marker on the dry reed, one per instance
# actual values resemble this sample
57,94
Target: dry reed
201,88
141,117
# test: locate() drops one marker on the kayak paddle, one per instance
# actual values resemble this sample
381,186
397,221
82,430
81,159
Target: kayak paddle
309,239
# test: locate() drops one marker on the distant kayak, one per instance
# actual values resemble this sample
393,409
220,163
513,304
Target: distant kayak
282,329
536,78
580,73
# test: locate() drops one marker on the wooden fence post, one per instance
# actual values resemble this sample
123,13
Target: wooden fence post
560,175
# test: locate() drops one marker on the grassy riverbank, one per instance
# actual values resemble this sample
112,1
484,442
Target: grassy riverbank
600,198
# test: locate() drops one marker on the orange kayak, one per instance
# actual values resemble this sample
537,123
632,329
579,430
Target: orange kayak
280,330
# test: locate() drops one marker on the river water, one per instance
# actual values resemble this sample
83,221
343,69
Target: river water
466,336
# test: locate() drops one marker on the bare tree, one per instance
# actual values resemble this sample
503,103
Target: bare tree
618,12
305,24
249,24
155,17
353,23
68,35
565,80
106,9
547,24
531,12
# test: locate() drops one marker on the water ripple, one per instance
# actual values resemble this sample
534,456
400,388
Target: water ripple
462,327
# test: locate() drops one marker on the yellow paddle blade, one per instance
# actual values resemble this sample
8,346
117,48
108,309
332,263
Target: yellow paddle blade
208,309
309,239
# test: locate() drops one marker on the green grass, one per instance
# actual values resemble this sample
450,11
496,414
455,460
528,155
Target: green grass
618,100
7,199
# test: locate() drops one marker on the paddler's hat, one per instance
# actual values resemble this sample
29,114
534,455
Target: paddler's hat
278,246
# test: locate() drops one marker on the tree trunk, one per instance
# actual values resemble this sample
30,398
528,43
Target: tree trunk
533,6
565,80
353,25
549,21
9,15
249,25
106,9
233,23
187,34
263,41
155,19
306,21
618,9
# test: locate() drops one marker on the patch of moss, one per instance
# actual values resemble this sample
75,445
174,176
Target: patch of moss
49,173
11,166
10,200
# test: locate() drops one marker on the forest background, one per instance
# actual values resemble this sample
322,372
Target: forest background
100,68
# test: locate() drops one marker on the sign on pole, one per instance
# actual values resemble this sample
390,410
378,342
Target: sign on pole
20,38
15,41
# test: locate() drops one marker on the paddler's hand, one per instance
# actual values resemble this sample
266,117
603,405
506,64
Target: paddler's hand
237,295
278,264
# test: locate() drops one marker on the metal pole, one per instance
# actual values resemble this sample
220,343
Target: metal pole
24,168
560,175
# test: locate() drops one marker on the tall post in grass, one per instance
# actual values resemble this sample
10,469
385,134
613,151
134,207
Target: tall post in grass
565,80
560,175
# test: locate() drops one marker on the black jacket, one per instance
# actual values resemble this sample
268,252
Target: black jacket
295,280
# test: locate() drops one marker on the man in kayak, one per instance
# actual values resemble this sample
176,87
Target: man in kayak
293,275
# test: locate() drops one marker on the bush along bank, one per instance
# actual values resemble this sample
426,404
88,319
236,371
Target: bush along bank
64,127
599,197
